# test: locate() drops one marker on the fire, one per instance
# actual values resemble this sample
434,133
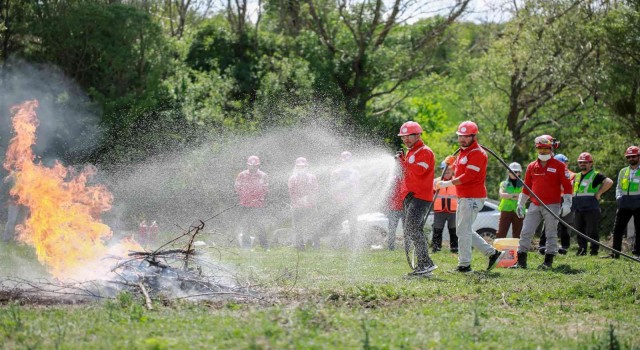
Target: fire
64,222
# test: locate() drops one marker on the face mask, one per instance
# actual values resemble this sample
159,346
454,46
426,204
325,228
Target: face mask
544,157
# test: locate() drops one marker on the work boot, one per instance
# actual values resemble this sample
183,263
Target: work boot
453,240
463,269
522,261
548,262
563,250
495,258
436,241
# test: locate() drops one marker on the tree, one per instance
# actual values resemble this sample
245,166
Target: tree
533,75
368,51
619,86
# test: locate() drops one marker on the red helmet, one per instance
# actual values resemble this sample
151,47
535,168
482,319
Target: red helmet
301,161
253,160
410,128
546,141
632,151
585,157
467,128
345,156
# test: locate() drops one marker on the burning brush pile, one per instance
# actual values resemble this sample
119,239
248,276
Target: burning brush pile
69,238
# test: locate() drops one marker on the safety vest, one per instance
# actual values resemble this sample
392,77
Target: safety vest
628,184
584,184
447,200
509,204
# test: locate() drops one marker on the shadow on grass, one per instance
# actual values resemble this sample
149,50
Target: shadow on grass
567,270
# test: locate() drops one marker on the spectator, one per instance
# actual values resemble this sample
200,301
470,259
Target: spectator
628,201
588,188
547,179
344,187
252,186
303,191
470,174
444,212
510,189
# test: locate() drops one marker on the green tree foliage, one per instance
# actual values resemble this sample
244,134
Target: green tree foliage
362,50
532,76
620,85
116,52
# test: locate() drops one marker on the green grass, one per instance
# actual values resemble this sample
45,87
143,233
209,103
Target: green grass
337,299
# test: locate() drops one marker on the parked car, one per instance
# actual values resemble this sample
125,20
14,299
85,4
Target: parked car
486,224
375,226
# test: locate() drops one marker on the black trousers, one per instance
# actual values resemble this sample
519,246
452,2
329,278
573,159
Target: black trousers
414,220
620,227
588,222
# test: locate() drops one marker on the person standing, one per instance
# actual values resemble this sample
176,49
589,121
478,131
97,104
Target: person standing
444,212
303,191
564,234
252,186
470,174
628,201
588,188
394,207
547,179
509,191
418,168
344,187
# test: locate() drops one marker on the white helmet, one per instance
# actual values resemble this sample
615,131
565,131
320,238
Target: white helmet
515,166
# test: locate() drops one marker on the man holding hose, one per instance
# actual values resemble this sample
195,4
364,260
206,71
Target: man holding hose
470,174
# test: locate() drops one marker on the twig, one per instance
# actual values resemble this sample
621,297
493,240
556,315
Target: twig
146,296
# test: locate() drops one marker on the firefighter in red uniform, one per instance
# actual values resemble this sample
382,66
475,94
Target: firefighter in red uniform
444,212
252,186
470,174
563,232
547,179
418,167
303,191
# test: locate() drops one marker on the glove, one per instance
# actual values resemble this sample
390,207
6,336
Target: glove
567,199
450,160
522,200
443,184
399,155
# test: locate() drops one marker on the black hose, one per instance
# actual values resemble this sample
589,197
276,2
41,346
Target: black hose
551,211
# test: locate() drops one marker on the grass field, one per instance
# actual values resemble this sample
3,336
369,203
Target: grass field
330,299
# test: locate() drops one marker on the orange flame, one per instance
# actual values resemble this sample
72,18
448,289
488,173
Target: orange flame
64,221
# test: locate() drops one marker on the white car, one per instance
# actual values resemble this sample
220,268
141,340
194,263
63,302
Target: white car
375,226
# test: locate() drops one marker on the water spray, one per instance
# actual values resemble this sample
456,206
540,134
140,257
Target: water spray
551,211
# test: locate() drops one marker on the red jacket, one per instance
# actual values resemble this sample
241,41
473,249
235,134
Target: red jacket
303,190
548,182
418,165
252,188
471,170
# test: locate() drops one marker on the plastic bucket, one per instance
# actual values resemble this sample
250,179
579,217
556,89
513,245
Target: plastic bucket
510,245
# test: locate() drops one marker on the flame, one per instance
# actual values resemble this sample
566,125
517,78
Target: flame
64,212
